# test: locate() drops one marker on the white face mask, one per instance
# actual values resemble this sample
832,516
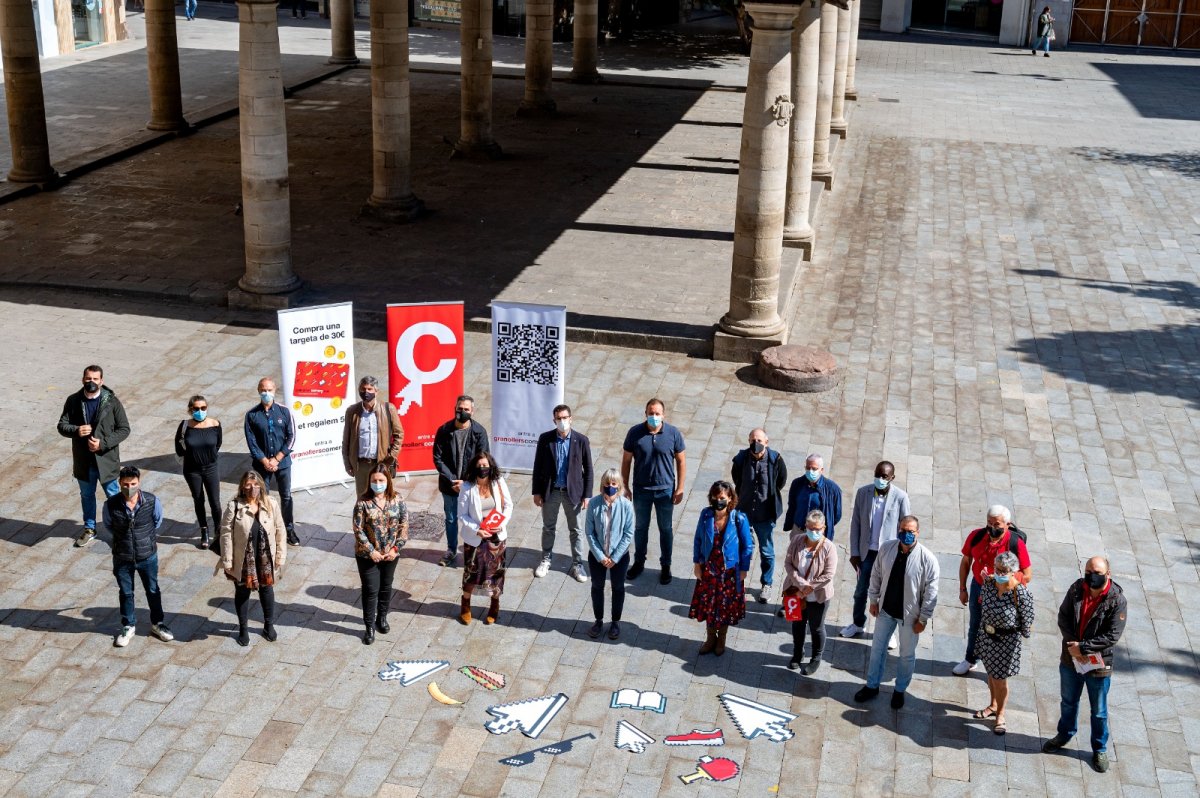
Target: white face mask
563,425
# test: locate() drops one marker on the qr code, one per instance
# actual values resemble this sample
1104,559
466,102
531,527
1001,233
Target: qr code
527,353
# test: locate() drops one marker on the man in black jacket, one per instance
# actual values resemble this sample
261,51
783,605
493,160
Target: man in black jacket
760,475
562,477
1091,619
94,419
455,444
133,517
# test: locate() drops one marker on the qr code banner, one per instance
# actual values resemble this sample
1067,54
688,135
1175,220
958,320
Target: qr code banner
528,356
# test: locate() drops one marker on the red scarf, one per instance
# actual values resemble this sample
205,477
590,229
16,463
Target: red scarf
1090,604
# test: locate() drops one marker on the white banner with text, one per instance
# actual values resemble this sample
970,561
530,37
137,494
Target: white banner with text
528,359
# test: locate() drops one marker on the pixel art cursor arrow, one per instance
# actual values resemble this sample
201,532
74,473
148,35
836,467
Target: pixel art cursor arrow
753,718
417,377
530,717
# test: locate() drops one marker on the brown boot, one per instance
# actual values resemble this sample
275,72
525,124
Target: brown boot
464,617
710,641
493,611
720,649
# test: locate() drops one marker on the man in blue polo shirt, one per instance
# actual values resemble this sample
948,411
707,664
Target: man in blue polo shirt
654,450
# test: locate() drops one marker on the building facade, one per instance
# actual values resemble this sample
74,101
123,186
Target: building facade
64,26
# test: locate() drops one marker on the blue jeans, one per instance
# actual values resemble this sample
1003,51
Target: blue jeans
906,662
974,611
147,569
450,508
189,8
765,532
1071,684
1043,43
664,510
87,495
861,587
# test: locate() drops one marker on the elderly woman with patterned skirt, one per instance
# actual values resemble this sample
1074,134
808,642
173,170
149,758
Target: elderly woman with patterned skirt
1006,616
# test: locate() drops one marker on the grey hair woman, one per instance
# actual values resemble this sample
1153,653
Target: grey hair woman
1006,616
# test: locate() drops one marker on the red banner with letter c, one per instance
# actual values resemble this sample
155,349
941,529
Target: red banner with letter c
425,374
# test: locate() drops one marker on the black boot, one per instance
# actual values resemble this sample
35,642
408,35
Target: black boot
204,540
369,636
381,624
243,638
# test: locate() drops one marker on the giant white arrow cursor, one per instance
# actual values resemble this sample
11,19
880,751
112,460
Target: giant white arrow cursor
631,738
530,717
753,718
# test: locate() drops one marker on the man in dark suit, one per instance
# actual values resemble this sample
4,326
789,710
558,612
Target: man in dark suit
562,477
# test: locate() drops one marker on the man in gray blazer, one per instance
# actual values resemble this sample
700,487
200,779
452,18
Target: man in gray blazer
878,508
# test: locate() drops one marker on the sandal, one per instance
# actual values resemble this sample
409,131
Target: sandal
1000,727
985,713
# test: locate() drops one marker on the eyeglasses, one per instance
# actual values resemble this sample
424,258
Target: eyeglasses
200,407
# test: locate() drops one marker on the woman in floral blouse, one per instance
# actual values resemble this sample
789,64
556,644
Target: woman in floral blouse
380,531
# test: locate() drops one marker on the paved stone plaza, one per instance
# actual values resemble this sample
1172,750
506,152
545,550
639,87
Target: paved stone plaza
1007,268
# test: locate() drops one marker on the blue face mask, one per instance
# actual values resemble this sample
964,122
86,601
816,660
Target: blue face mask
881,483
814,534
654,422
610,490
199,415
812,475
378,487
1002,579
908,538
267,397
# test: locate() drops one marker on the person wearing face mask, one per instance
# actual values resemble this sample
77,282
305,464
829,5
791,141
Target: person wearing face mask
903,594
722,553
978,553
485,507
878,508
814,491
270,435
380,531
133,517
1091,619
253,552
654,452
197,442
95,421
609,528
1006,615
456,445
371,435
810,565
760,474
562,477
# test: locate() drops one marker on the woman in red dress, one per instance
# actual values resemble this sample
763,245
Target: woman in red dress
721,556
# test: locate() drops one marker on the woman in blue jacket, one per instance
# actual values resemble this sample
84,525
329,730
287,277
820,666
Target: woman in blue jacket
721,557
609,530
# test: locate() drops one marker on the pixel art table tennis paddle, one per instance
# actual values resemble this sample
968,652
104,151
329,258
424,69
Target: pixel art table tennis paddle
709,769
321,380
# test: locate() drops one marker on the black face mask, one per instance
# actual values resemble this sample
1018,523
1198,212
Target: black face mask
485,472
91,387
367,396
1094,580
758,447
996,531
718,504
462,416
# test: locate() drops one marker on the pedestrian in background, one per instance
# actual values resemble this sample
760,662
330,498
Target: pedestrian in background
608,525
1045,32
198,442
253,551
380,531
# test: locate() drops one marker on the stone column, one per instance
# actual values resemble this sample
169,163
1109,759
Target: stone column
266,197
586,45
23,94
162,65
762,178
852,53
806,38
341,32
837,123
822,166
476,139
539,57
392,196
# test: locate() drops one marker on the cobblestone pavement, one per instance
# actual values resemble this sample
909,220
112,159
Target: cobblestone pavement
1014,298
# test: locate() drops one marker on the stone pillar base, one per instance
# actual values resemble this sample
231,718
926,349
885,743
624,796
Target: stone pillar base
181,126
838,128
741,348
408,209
851,93
477,151
343,59
798,368
247,300
824,178
587,78
539,108
45,180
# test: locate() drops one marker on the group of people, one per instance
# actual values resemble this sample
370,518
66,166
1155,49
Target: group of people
896,577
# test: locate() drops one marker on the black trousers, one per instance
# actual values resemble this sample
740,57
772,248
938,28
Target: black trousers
616,575
283,484
205,481
376,587
241,603
814,622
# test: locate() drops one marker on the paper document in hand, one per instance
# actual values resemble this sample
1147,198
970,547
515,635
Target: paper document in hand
1089,663
492,521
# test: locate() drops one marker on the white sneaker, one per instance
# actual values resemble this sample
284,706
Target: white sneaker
543,568
894,641
122,640
577,573
161,631
964,667
851,630
766,595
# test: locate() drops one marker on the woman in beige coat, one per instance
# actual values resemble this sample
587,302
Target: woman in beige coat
253,550
810,566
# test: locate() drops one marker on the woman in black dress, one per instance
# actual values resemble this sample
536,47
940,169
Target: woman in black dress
1006,616
197,441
